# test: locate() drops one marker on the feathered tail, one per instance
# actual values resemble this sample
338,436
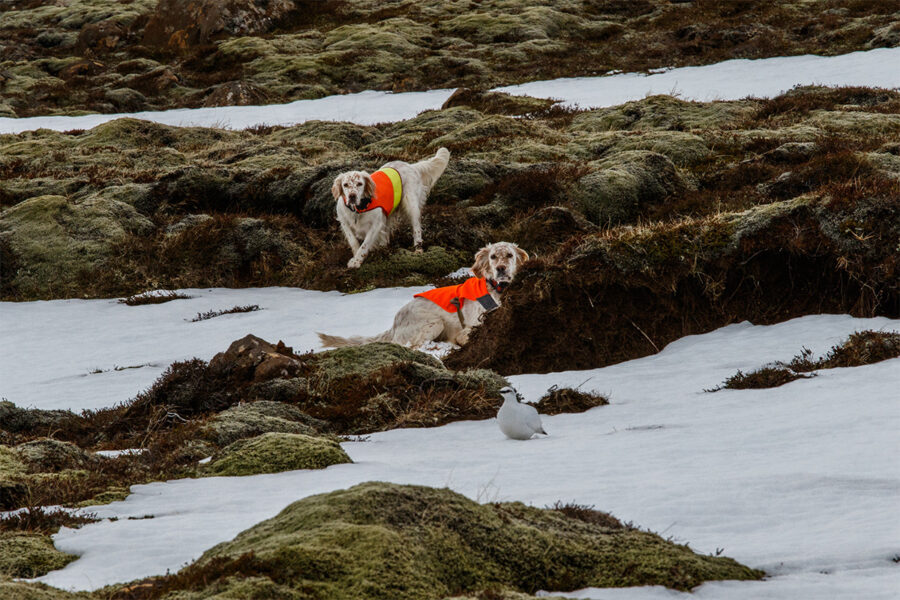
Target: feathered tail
431,169
336,341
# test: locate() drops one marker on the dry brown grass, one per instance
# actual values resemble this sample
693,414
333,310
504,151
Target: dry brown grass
861,348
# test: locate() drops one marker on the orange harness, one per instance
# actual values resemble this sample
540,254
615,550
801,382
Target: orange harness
450,298
388,191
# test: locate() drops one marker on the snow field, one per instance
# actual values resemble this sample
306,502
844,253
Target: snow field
728,80
799,480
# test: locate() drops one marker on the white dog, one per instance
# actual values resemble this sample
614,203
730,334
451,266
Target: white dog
366,204
448,314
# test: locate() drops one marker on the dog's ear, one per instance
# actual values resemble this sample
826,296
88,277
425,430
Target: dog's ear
521,256
369,191
336,190
481,266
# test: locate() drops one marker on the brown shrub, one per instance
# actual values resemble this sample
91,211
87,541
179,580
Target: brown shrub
568,400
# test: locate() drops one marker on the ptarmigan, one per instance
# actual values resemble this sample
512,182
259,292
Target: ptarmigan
518,421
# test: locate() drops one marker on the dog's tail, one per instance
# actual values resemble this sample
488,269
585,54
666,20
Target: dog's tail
336,341
432,168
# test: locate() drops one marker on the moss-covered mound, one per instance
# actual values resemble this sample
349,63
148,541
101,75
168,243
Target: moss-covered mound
255,418
623,293
379,540
130,205
18,590
276,452
255,408
29,555
108,56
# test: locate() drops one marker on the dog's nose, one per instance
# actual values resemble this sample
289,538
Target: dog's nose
353,197
501,269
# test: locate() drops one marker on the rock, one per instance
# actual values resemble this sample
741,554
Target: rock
254,359
274,453
100,37
181,24
126,98
236,93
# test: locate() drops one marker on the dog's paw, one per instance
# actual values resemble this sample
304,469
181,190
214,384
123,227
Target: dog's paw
418,249
462,338
354,263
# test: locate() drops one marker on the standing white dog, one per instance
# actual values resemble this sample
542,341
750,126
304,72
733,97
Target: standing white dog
448,314
366,204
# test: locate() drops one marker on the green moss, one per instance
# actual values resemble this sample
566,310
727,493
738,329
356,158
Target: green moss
242,588
58,241
29,555
434,262
20,590
10,463
360,362
253,419
663,112
858,123
114,494
276,452
379,540
624,185
683,149
51,455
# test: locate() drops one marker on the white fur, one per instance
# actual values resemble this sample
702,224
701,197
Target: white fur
369,230
421,320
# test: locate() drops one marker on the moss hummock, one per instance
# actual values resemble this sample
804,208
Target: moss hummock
381,540
29,555
276,452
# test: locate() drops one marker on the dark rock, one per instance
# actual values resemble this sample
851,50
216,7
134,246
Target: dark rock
179,25
253,358
236,93
100,37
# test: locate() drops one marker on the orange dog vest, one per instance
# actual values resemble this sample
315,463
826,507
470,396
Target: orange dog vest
388,191
450,298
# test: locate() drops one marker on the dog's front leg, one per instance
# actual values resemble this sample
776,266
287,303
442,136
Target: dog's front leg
364,248
351,237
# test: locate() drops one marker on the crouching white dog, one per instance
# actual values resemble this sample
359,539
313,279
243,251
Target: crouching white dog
447,314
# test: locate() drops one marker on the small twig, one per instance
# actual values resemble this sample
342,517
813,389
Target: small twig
655,347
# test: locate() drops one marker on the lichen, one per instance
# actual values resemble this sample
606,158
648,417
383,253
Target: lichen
276,452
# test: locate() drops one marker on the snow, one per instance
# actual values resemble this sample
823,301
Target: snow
799,480
74,354
728,80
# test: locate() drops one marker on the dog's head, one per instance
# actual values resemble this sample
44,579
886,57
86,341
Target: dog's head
499,261
356,189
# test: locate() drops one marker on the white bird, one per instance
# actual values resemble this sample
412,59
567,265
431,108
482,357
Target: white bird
518,421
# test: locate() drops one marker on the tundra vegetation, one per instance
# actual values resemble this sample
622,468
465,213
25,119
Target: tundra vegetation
128,55
646,222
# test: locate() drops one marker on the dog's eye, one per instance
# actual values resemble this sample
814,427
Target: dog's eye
493,257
